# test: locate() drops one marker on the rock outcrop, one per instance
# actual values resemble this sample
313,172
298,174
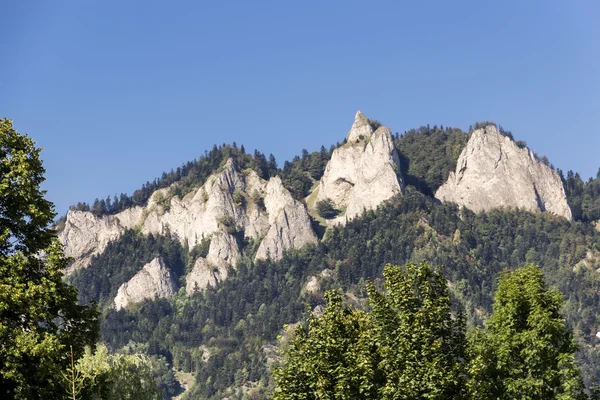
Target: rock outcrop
152,282
230,202
492,171
86,235
223,251
361,128
290,223
229,197
362,173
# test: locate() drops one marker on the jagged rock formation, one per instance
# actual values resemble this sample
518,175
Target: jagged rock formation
152,282
360,127
223,251
492,171
290,224
362,173
86,235
230,201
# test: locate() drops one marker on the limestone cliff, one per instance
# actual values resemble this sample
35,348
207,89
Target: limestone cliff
362,173
492,171
86,235
230,202
197,215
360,127
152,282
290,223
224,250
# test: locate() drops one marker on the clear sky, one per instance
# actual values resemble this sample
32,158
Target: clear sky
118,91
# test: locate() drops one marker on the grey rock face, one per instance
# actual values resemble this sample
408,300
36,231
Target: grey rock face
290,223
190,219
227,195
86,235
492,171
362,173
152,282
202,276
360,127
223,251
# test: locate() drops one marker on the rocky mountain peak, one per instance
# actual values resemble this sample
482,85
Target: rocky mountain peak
152,282
360,128
493,171
362,173
291,226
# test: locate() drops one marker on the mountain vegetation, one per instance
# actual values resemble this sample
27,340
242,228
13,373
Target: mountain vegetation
411,346
225,335
298,175
230,337
583,197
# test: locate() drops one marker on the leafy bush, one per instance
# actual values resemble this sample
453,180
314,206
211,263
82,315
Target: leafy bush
327,209
228,223
238,197
258,200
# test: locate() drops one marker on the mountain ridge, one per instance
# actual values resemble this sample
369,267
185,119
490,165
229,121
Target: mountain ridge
228,294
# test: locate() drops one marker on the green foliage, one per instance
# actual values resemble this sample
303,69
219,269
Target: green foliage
473,248
420,343
39,315
237,322
237,197
201,249
326,209
408,347
374,124
204,195
428,155
332,357
526,351
583,197
228,223
482,125
300,174
121,260
186,178
101,375
258,200
25,213
411,347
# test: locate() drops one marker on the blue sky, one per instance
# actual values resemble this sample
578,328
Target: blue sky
118,91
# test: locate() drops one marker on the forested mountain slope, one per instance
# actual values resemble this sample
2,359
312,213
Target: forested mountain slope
225,334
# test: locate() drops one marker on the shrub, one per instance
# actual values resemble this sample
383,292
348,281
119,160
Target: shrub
228,223
258,199
327,209
238,197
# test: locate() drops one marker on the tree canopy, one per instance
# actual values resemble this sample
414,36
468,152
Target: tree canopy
39,314
409,346
526,350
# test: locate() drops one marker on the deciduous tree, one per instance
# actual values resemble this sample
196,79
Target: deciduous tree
39,315
526,351
421,343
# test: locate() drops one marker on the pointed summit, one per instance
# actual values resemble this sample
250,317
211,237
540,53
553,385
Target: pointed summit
494,172
360,127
